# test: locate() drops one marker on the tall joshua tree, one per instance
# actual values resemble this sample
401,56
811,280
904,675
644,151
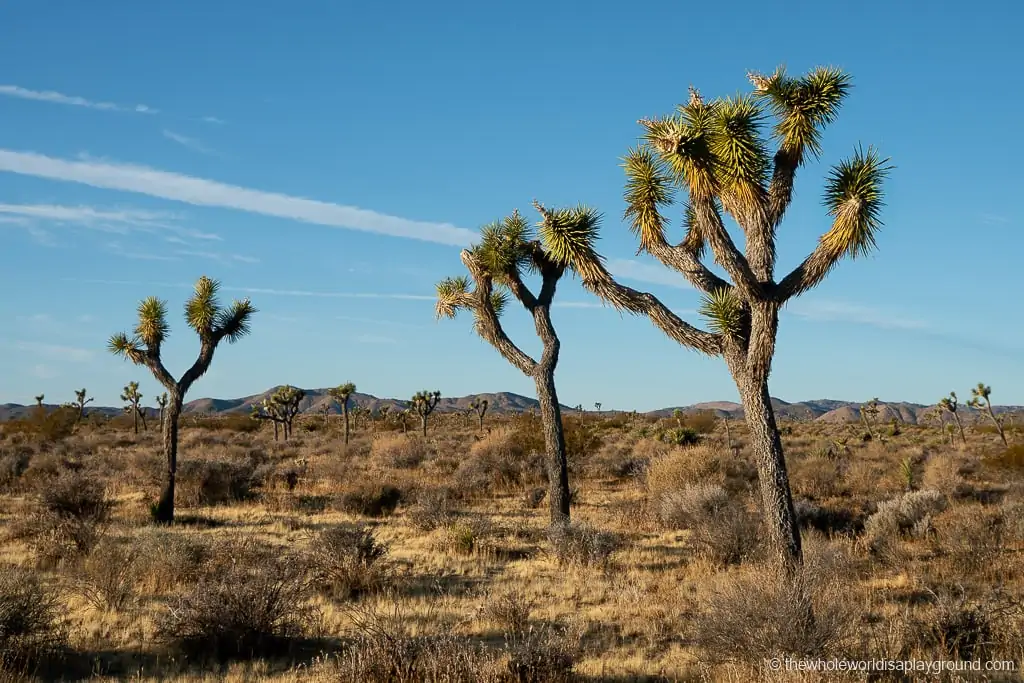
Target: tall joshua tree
949,404
479,406
343,394
979,400
213,324
507,249
721,156
423,403
80,402
161,402
132,398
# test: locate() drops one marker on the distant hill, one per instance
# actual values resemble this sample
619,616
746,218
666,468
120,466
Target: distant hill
504,402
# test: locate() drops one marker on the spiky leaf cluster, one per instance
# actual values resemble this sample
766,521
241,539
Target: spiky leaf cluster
724,312
424,402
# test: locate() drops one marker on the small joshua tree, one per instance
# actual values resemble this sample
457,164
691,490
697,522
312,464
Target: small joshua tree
78,405
678,415
343,394
403,415
507,250
213,324
39,400
132,398
161,402
979,400
737,156
479,406
868,412
423,403
949,404
281,409
597,407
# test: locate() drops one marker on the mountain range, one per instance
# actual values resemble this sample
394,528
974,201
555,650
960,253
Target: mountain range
824,410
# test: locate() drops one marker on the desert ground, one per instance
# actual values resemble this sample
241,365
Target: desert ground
407,558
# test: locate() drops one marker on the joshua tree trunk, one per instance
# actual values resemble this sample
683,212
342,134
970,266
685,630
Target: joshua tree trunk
423,424
142,415
554,444
135,421
344,409
960,428
776,499
165,508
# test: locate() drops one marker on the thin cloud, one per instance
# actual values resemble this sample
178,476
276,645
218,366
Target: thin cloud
55,351
203,192
259,290
643,272
823,310
213,119
71,100
374,321
120,221
118,249
185,141
374,339
225,259
43,371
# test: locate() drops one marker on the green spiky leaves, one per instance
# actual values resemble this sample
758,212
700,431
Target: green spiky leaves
235,322
803,106
503,249
854,198
131,349
570,237
723,311
648,187
453,294
152,327
202,307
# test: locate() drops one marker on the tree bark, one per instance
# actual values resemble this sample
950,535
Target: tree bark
135,420
554,444
776,498
164,513
960,427
423,423
142,415
344,409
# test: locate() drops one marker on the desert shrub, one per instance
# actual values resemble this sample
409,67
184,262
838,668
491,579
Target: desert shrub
401,451
466,535
701,421
45,425
71,516
224,423
433,509
544,654
244,610
579,544
726,535
582,437
910,513
171,558
755,615
688,506
30,626
211,482
818,478
943,473
500,460
348,562
108,575
534,496
702,464
310,504
680,436
371,499
14,462
1010,460
959,628
509,609
827,519
972,536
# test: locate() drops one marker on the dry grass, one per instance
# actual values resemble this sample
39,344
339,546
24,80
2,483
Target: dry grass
403,558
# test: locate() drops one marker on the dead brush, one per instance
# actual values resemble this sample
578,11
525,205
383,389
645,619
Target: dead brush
108,575
399,451
349,562
71,516
509,609
433,509
579,544
31,629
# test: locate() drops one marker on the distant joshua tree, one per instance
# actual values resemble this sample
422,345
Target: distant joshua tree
949,404
496,265
343,394
423,404
479,406
132,398
597,407
868,412
980,400
281,409
737,156
213,324
39,401
161,402
78,405
403,415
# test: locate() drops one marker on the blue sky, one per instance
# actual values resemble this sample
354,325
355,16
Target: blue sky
329,159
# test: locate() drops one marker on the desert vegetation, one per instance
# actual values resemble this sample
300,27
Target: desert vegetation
679,547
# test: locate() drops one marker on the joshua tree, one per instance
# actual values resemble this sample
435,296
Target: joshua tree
506,249
39,400
949,404
213,324
479,406
718,152
385,415
980,399
343,394
597,407
281,408
132,398
161,402
868,412
78,405
423,403
326,410
678,415
403,415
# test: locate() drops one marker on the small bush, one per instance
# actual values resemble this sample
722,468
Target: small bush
371,499
579,544
349,562
432,510
727,535
691,504
30,625
214,482
72,515
400,451
245,610
909,513
14,462
680,436
466,536
509,609
109,574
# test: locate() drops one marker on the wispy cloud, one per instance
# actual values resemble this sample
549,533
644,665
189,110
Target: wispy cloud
55,351
43,371
838,311
120,221
329,295
373,339
643,272
374,321
119,249
203,192
224,259
71,100
213,119
994,219
185,141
